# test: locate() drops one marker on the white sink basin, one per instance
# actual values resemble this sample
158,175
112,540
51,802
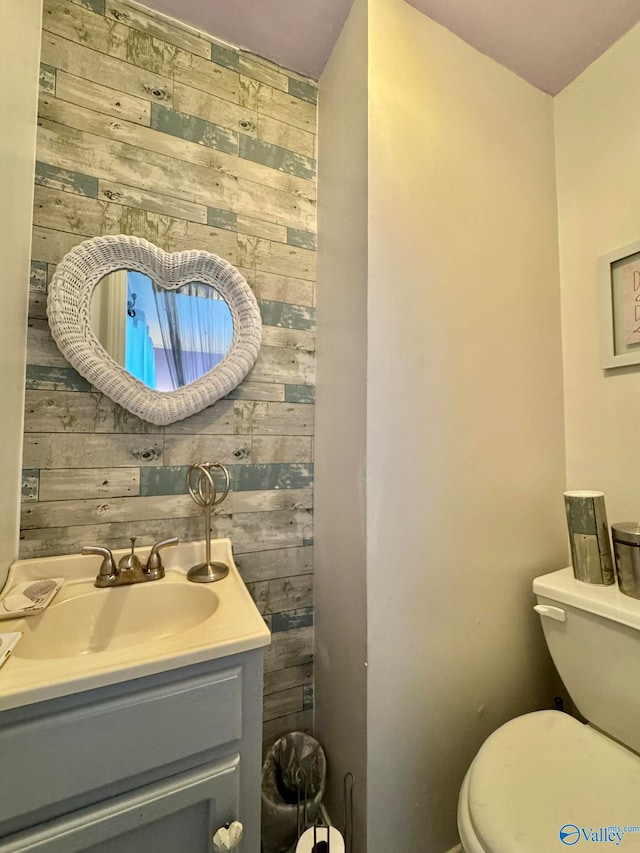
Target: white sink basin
83,620
89,637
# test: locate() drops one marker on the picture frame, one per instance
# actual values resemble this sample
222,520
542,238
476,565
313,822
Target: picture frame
619,303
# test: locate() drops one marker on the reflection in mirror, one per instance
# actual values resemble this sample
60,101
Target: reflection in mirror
165,338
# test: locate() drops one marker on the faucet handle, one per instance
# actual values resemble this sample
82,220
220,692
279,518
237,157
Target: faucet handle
154,563
108,571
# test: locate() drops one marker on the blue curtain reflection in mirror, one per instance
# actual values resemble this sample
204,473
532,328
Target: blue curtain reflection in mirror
139,351
174,336
165,338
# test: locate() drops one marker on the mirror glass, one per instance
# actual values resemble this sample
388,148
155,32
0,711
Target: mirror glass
165,338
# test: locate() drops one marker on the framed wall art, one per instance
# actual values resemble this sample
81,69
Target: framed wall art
619,295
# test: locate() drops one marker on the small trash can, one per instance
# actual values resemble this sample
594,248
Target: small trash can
294,776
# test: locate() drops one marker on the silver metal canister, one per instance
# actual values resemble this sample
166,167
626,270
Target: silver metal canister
626,548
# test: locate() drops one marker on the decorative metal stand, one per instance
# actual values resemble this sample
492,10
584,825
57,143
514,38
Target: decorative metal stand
317,836
203,490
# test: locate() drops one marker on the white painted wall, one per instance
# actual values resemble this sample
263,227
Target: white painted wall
464,465
597,144
19,59
465,457
339,550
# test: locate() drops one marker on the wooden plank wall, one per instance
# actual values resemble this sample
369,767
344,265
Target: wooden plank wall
150,129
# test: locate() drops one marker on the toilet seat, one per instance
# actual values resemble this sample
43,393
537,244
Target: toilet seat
540,773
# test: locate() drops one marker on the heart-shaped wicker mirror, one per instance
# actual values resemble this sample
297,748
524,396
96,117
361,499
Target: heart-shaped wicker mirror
191,276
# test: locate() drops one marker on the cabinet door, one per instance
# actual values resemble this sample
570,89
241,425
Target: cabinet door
62,759
178,815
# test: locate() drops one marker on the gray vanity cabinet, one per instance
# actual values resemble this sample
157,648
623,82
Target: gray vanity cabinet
151,765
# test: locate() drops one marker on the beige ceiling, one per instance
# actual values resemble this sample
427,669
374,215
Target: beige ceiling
548,42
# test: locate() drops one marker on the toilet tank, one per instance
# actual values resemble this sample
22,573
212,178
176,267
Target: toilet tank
593,634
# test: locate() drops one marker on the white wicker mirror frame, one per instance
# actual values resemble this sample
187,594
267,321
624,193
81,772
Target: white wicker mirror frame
69,313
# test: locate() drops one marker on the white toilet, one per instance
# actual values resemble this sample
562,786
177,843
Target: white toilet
545,782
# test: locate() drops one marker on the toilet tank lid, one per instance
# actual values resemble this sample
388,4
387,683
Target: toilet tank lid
606,601
543,771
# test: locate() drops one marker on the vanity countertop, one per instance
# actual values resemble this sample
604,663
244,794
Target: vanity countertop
89,637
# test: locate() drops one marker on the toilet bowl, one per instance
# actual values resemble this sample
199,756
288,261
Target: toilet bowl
545,781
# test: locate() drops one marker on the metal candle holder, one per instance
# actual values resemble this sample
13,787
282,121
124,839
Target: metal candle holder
203,490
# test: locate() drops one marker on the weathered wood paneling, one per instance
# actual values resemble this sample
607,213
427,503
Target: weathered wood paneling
289,648
94,96
155,202
59,483
282,703
153,26
68,450
277,364
276,564
151,129
238,417
202,73
276,104
281,133
66,55
302,721
285,679
283,288
59,411
274,596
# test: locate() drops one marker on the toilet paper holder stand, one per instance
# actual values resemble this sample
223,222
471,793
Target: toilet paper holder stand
320,834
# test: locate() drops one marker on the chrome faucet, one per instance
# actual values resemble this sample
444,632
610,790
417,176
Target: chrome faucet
129,569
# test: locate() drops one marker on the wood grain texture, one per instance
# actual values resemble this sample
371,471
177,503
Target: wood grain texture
276,104
290,593
85,93
241,417
59,483
153,130
74,58
290,648
282,703
285,679
153,26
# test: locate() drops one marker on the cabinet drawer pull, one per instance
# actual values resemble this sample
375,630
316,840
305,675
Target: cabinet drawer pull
228,838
